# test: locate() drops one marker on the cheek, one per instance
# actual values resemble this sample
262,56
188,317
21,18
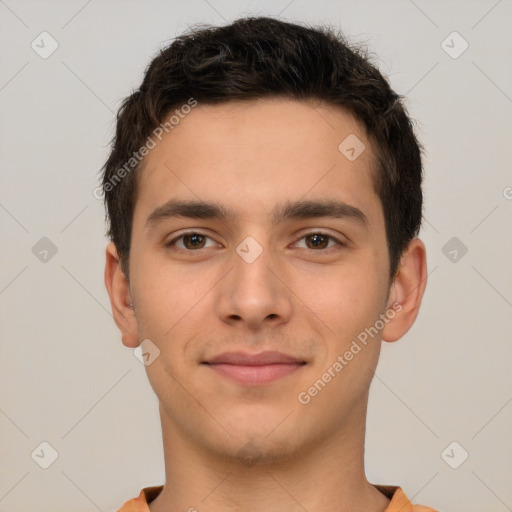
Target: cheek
163,296
349,307
345,297
174,301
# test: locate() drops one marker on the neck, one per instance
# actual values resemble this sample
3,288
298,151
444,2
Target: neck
327,477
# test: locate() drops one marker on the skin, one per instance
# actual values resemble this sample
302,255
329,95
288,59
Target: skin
296,298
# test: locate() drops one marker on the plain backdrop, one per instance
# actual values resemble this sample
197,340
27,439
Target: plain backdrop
441,392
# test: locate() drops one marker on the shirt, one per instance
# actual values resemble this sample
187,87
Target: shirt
399,501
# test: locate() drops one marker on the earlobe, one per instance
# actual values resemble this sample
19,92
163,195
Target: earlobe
119,292
408,289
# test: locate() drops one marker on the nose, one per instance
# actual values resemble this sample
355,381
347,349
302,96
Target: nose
254,293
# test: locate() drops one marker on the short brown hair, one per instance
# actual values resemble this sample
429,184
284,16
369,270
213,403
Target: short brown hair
257,57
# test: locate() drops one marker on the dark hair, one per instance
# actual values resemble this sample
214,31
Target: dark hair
259,57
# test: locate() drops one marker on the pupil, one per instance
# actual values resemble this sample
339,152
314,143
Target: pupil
318,240
193,239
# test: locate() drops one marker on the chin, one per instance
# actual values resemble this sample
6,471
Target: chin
257,420
252,450
268,437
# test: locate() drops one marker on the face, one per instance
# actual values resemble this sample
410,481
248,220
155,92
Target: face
263,267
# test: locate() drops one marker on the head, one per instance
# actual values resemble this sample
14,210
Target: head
269,128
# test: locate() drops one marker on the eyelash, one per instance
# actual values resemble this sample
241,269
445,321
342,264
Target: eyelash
322,233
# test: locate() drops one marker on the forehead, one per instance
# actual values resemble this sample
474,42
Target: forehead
254,154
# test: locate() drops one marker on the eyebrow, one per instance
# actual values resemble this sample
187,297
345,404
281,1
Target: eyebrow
288,211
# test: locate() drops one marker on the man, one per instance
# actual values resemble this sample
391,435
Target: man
264,200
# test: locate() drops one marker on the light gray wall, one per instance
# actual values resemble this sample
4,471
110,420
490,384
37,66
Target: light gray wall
67,380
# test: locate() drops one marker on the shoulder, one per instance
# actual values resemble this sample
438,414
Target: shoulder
140,504
399,500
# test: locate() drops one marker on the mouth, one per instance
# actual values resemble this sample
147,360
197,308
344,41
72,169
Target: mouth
254,369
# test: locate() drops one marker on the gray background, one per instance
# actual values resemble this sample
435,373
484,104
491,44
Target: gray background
67,380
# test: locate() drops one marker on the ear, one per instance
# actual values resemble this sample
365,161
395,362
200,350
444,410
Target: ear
118,289
406,291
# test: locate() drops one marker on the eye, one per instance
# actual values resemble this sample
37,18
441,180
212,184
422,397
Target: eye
318,240
190,241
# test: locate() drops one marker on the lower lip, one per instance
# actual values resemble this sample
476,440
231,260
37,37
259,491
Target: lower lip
263,374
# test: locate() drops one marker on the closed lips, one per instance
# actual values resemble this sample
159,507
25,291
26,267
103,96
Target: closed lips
261,359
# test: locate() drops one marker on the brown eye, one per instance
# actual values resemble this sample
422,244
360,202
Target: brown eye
318,241
189,241
193,241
